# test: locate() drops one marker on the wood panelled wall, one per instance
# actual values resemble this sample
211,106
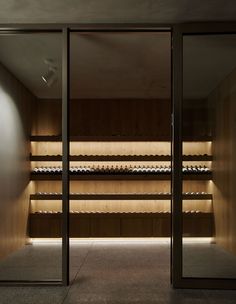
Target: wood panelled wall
197,119
224,162
15,105
123,117
105,117
132,117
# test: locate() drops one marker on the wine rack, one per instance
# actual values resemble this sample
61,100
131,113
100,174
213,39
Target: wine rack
125,168
121,170
115,196
117,173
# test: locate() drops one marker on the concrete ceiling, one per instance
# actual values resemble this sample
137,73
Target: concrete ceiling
207,60
117,65
120,65
24,55
114,11
103,65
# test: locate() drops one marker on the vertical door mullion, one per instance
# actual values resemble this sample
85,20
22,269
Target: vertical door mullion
177,87
65,157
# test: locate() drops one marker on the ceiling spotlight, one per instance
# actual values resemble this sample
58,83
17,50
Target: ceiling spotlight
50,77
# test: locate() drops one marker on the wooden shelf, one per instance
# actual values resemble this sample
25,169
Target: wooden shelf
164,176
119,196
197,196
46,158
105,158
98,138
197,157
39,138
199,176
42,138
197,138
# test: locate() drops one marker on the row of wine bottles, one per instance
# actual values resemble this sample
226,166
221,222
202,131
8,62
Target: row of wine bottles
102,212
133,193
121,169
122,155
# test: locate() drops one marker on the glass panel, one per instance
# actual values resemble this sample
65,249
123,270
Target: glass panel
30,159
209,162
120,136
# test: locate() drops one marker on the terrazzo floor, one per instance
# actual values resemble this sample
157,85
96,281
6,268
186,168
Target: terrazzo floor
115,271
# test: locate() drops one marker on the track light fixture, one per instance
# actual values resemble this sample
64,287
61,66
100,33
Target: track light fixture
50,77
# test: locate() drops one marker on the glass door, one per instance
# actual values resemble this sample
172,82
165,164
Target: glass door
120,109
204,146
30,158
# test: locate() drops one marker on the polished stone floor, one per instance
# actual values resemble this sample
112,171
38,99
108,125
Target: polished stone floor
114,271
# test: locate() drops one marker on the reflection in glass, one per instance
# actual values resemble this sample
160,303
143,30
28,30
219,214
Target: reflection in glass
209,112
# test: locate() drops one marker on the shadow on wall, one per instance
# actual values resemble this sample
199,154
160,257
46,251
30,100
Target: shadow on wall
14,164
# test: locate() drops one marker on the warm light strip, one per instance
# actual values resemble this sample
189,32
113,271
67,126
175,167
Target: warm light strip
198,240
97,240
157,240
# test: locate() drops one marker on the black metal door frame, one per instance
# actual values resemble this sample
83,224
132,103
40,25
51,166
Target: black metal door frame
177,90
66,29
